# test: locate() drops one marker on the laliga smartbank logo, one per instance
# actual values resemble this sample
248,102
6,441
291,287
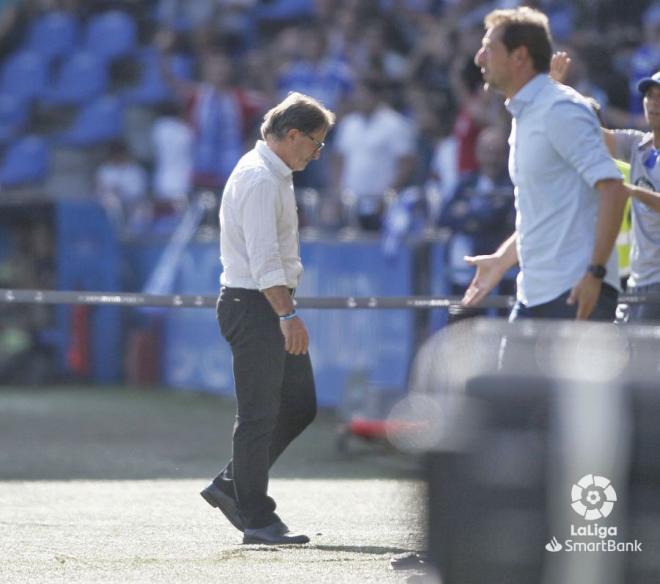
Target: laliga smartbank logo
593,497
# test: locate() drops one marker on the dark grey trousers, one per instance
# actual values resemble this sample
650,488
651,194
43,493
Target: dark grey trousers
644,312
275,396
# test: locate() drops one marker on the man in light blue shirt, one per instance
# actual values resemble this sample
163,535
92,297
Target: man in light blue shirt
569,194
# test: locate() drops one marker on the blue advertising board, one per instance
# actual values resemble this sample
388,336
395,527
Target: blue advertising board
88,258
376,343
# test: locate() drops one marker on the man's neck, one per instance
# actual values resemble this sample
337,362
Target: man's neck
279,149
519,83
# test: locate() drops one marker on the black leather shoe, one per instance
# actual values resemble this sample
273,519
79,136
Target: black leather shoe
274,534
216,498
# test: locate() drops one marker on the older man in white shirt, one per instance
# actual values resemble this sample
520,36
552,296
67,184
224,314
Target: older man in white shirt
275,390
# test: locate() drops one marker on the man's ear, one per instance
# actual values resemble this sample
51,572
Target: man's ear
520,54
292,133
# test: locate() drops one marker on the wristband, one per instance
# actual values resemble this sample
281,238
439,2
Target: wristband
289,316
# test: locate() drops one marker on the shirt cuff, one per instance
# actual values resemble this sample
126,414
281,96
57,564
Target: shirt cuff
604,170
270,279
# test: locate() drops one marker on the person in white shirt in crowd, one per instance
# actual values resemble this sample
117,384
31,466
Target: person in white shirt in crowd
275,392
374,153
121,187
172,140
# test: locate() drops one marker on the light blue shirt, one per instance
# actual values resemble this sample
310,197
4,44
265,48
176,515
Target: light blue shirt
557,155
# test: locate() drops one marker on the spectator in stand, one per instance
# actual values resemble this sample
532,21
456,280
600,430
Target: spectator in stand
10,26
121,187
583,78
646,59
443,173
374,154
474,113
256,74
375,58
480,212
317,73
326,78
428,115
220,114
343,33
429,63
172,141
237,25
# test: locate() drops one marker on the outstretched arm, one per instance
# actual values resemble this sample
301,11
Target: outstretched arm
490,270
648,197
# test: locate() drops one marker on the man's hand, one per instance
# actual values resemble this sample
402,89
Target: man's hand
559,66
586,294
296,338
490,270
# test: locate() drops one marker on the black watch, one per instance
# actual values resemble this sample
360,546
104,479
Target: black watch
597,271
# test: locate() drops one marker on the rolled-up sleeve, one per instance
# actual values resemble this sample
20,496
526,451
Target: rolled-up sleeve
259,211
575,134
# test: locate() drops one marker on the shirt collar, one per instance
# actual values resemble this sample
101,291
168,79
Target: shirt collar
645,141
516,104
275,163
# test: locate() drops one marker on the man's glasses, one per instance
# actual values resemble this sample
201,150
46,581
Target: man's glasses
319,145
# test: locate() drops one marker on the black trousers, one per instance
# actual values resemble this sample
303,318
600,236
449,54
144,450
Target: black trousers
275,396
605,309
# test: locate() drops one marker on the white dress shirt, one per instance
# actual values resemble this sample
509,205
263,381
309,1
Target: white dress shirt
259,245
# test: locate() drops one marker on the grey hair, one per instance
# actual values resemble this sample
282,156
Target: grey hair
297,111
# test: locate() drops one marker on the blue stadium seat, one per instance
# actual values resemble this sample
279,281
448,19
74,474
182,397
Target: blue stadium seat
97,122
283,10
111,35
53,35
13,117
152,88
81,78
25,162
24,75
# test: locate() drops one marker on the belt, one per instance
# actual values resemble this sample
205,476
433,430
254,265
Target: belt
292,291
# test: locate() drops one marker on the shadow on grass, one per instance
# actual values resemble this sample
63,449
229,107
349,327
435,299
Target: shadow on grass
121,434
349,549
356,549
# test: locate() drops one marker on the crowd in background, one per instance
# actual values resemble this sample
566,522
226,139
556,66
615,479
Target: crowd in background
418,148
399,74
